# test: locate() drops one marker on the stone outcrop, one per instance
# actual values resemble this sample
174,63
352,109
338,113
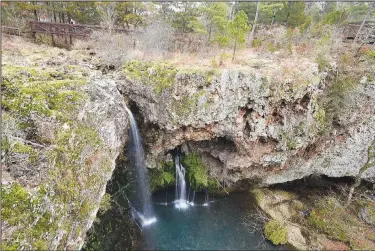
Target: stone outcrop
64,124
263,125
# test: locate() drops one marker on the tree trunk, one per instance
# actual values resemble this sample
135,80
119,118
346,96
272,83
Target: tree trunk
353,187
35,12
255,23
364,21
232,11
209,33
234,50
369,164
273,18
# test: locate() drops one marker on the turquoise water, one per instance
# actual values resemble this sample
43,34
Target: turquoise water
218,226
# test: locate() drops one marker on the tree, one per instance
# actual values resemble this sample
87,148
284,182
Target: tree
215,17
293,14
255,23
270,9
364,21
131,14
369,164
185,18
236,32
108,15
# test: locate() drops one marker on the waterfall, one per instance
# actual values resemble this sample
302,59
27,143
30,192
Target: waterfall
180,201
142,209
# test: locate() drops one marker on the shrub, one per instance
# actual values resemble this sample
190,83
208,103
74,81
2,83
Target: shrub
322,62
276,232
256,43
271,47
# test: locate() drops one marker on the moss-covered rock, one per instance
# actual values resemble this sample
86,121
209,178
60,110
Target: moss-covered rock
54,184
163,176
160,75
197,173
276,232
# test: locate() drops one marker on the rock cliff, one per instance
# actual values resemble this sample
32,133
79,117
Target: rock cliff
268,124
63,126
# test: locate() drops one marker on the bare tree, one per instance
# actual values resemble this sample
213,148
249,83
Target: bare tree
364,21
108,15
255,23
369,164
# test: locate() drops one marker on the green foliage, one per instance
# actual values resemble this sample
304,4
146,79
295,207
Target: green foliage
337,98
323,64
186,18
256,42
320,117
370,53
276,232
293,14
162,177
105,203
268,11
85,209
188,104
271,47
335,17
20,207
30,90
214,186
234,32
20,147
330,218
132,14
289,38
215,15
303,27
157,74
214,63
196,171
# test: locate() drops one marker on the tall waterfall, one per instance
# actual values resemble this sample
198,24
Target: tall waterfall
180,201
142,207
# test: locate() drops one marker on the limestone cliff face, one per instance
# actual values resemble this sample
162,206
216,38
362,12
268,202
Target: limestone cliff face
63,126
266,125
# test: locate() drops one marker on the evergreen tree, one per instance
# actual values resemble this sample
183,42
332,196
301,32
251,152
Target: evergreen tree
234,32
215,17
185,18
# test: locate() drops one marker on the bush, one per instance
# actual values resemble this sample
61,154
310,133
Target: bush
271,47
322,62
276,232
256,43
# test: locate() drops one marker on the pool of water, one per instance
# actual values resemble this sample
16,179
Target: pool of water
218,226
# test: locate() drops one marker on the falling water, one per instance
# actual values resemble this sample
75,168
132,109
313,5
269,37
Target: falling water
142,210
181,201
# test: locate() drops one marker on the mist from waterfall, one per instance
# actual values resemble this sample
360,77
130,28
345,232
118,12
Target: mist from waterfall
142,208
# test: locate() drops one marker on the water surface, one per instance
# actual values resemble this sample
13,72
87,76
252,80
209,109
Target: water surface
218,226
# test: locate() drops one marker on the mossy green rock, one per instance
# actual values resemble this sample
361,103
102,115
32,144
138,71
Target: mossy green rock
276,232
53,185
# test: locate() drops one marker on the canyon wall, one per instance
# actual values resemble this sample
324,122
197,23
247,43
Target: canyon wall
267,125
